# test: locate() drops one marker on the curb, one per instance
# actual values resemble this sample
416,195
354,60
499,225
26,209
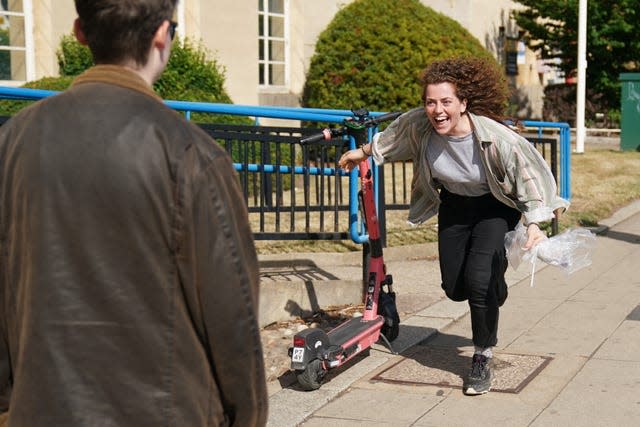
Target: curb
618,216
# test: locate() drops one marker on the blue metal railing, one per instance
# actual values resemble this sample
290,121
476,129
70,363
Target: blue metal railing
321,116
564,131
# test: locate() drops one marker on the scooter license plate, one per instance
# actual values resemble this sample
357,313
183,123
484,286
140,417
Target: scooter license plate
298,354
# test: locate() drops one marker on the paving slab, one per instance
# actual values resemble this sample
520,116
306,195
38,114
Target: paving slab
575,328
291,405
415,330
518,315
620,284
445,309
342,422
447,367
400,407
603,393
492,409
623,344
550,382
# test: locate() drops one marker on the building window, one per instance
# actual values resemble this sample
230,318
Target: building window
272,39
17,60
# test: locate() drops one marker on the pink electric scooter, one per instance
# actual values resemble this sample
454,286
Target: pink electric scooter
314,351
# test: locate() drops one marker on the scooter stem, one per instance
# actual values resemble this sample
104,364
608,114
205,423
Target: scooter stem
376,264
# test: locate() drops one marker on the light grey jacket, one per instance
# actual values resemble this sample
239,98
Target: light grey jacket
516,172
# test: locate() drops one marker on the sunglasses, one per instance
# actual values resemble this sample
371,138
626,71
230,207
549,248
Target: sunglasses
172,29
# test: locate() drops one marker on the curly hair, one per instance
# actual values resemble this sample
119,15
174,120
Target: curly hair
478,80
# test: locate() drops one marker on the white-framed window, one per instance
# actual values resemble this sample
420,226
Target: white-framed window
17,58
273,41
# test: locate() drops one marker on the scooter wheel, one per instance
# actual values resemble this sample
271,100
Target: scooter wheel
311,377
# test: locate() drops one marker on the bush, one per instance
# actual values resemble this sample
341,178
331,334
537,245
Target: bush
5,56
73,57
9,107
372,53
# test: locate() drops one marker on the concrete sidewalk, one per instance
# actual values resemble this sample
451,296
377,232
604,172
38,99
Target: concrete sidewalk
568,355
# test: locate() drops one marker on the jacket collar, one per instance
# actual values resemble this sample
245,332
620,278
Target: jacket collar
479,130
116,75
485,131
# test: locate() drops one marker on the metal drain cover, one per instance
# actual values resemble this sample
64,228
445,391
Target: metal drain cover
446,367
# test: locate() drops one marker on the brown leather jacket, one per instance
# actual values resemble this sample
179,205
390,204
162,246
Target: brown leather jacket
128,275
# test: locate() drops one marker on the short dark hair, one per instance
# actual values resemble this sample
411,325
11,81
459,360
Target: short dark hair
119,30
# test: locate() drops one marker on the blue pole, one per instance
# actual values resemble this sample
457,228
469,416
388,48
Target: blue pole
254,167
356,230
564,186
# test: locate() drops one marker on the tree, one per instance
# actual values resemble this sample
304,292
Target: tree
551,26
372,52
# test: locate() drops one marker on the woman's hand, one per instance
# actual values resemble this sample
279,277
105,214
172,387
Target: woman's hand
352,158
534,236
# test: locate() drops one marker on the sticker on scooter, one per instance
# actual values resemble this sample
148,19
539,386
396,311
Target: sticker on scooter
298,354
371,290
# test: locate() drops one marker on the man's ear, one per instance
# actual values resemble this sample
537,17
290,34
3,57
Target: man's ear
77,30
161,35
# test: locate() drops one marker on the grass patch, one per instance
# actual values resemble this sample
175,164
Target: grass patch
602,181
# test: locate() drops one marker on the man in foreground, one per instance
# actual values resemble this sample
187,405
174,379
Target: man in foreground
128,275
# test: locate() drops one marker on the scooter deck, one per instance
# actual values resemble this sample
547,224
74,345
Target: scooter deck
352,329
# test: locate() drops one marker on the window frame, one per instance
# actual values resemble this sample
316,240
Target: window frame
29,44
264,73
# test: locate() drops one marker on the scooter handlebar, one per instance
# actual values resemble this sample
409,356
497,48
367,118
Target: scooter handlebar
386,117
325,135
328,133
316,137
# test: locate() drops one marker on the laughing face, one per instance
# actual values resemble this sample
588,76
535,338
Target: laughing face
445,110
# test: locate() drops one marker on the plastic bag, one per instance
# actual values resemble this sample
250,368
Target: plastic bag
570,250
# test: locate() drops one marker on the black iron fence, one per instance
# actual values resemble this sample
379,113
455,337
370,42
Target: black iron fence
293,191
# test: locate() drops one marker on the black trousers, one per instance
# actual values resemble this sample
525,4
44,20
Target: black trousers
473,258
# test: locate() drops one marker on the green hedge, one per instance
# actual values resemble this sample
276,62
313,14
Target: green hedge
371,54
5,56
73,57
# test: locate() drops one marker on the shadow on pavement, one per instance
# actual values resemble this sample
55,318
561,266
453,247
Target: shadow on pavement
298,269
625,237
